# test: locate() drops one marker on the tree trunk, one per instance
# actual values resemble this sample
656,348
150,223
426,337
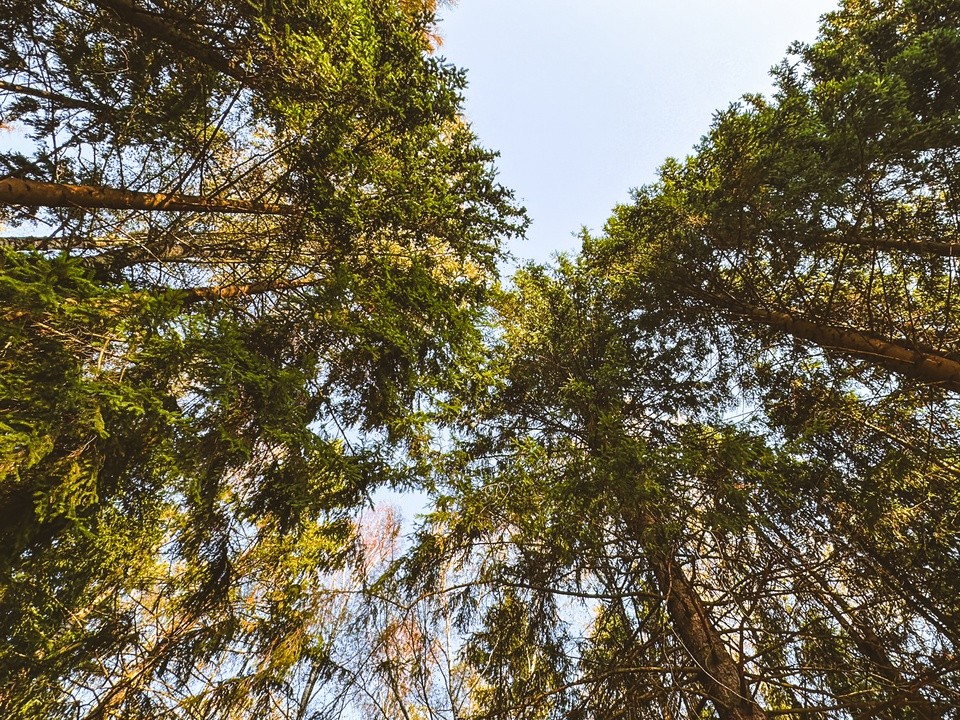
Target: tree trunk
158,28
151,246
719,674
927,367
14,191
225,292
61,100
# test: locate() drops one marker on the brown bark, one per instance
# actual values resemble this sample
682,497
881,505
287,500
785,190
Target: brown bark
61,100
118,259
157,245
42,243
158,28
920,365
14,191
225,292
719,674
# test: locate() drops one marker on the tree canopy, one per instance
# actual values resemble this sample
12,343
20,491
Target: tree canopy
706,469
714,472
258,237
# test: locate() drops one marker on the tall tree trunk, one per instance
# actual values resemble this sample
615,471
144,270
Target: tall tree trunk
150,246
925,366
109,263
14,191
226,292
719,674
43,243
63,101
157,27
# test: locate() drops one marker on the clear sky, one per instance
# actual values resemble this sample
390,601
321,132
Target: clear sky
584,100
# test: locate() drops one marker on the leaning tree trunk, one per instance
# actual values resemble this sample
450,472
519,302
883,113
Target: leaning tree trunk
227,292
720,676
14,191
923,365
63,101
156,27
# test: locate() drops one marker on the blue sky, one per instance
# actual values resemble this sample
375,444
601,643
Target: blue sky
584,100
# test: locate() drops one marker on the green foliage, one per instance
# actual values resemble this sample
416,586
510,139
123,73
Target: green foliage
706,470
196,406
681,470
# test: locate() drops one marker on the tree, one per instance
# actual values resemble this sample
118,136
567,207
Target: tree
707,470
813,234
196,401
827,214
625,546
712,469
575,428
